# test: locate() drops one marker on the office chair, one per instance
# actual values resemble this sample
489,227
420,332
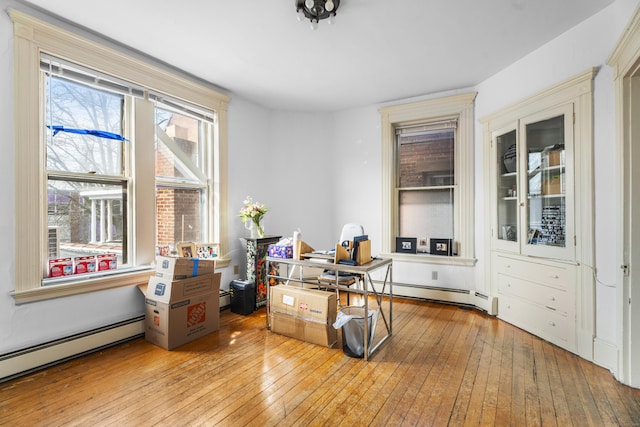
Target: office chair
349,231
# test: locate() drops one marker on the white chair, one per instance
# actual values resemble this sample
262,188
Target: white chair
349,231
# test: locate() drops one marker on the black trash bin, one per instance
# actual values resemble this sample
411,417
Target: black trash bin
353,330
243,297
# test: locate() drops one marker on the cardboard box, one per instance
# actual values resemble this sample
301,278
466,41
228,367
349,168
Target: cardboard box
280,251
60,267
181,311
305,330
556,158
84,264
306,304
174,268
304,314
107,262
553,185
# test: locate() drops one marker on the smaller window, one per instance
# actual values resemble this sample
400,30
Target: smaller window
427,159
426,183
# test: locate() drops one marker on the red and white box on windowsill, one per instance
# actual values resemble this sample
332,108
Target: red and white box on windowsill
84,264
60,267
107,262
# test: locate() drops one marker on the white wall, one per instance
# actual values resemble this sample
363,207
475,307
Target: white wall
29,324
587,45
319,171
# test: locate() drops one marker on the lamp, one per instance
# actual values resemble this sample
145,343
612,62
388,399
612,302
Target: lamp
315,10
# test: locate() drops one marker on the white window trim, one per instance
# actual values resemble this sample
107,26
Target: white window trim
33,37
457,106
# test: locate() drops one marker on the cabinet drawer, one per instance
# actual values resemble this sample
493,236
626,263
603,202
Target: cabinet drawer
556,275
553,299
547,324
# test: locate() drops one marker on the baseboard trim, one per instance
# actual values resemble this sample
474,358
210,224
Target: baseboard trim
605,354
38,357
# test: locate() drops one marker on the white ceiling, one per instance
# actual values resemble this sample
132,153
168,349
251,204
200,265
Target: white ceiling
377,51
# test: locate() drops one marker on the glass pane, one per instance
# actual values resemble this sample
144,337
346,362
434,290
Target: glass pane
426,214
546,186
78,106
178,145
87,220
426,160
507,187
179,216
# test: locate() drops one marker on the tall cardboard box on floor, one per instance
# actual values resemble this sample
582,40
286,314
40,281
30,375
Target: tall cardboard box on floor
181,311
305,314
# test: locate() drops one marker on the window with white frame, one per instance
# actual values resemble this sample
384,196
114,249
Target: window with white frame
428,180
98,136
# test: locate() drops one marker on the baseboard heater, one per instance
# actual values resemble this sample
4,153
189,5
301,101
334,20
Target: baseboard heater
41,356
462,297
225,299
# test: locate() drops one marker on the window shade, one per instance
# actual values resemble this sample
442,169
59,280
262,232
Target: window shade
426,127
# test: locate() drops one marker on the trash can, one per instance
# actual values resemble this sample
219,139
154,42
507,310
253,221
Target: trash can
242,295
353,329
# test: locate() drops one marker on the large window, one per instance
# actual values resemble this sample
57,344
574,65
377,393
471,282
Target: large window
428,179
115,158
87,182
182,180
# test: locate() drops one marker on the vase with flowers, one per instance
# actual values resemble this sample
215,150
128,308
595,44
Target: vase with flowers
251,214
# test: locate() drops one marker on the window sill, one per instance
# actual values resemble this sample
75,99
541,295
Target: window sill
77,287
65,288
430,259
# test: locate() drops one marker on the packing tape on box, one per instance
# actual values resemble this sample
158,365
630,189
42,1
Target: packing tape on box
195,267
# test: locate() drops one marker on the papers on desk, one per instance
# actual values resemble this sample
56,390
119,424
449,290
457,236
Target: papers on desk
319,256
319,260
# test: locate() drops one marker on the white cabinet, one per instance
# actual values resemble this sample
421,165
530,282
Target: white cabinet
537,296
539,234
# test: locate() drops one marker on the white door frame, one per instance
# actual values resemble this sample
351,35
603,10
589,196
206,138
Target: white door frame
625,61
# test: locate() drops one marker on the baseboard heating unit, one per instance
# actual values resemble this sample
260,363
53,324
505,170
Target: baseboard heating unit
41,356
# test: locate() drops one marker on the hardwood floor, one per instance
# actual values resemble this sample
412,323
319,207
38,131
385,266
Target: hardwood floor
444,365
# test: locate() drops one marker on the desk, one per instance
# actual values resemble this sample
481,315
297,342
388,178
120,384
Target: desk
368,289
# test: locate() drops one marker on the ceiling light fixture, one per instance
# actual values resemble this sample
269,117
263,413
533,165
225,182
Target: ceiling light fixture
315,10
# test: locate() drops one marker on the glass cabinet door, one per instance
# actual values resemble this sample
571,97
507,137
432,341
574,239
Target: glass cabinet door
547,142
507,168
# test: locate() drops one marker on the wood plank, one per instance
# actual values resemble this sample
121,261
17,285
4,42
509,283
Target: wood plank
443,366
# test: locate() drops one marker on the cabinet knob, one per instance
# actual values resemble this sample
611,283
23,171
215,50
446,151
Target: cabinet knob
552,298
552,323
550,308
554,276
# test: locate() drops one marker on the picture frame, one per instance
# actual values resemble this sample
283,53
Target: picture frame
207,250
407,245
186,249
441,247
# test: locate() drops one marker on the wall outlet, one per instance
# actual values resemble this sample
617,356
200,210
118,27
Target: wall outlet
434,275
235,269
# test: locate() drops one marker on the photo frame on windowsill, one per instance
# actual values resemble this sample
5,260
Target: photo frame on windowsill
440,247
406,245
207,250
186,249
